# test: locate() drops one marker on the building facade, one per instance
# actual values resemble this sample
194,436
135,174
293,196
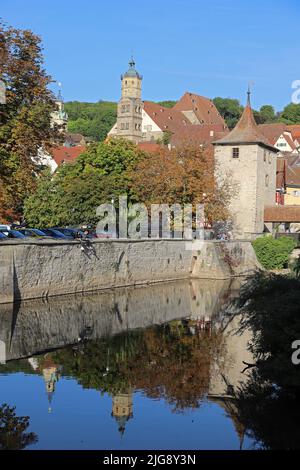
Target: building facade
246,158
130,106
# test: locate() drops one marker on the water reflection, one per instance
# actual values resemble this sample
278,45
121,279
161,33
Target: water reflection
168,343
13,435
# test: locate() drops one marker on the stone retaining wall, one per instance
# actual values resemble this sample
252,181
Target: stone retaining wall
42,268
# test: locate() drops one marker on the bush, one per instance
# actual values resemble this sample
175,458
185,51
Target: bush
273,253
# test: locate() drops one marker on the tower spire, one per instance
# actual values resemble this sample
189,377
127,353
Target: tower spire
132,62
248,96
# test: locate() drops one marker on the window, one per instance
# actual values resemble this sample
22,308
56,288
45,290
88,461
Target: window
123,108
127,125
267,180
235,152
127,108
122,126
265,155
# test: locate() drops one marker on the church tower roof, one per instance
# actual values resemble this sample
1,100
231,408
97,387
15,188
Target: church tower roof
246,131
131,72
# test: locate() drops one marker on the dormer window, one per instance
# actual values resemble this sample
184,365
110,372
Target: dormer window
235,152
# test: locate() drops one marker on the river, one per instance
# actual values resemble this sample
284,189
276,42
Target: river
152,367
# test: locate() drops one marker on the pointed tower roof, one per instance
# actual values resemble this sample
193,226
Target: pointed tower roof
131,72
246,131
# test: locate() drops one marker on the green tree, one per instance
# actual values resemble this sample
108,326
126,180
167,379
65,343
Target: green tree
93,120
167,103
291,114
230,109
267,114
12,430
71,196
24,118
273,253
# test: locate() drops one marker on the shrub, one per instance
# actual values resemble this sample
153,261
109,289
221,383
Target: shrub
273,253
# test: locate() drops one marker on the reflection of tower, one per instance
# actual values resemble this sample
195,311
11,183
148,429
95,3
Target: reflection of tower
51,377
122,409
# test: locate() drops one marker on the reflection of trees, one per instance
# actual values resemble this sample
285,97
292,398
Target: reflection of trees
268,405
175,364
12,430
167,361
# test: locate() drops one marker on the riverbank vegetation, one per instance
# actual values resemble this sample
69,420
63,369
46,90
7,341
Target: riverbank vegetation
273,253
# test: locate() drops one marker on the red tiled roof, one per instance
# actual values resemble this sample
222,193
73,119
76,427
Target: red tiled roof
204,109
167,119
199,134
63,154
246,132
150,147
272,131
282,213
181,129
295,130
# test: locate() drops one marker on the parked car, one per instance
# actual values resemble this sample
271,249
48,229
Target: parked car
2,236
12,233
54,233
32,232
4,227
106,234
71,232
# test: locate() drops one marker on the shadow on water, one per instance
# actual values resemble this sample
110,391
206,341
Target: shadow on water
268,404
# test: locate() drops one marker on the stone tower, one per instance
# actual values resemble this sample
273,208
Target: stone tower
129,120
248,159
59,117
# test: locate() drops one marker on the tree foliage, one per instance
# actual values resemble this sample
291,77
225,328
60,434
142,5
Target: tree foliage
167,103
71,196
230,109
165,361
273,253
267,114
291,114
181,176
24,118
93,120
12,430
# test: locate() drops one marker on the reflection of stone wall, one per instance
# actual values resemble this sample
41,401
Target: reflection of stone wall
41,268
35,326
226,373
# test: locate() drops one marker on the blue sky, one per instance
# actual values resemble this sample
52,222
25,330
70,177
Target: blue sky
212,48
